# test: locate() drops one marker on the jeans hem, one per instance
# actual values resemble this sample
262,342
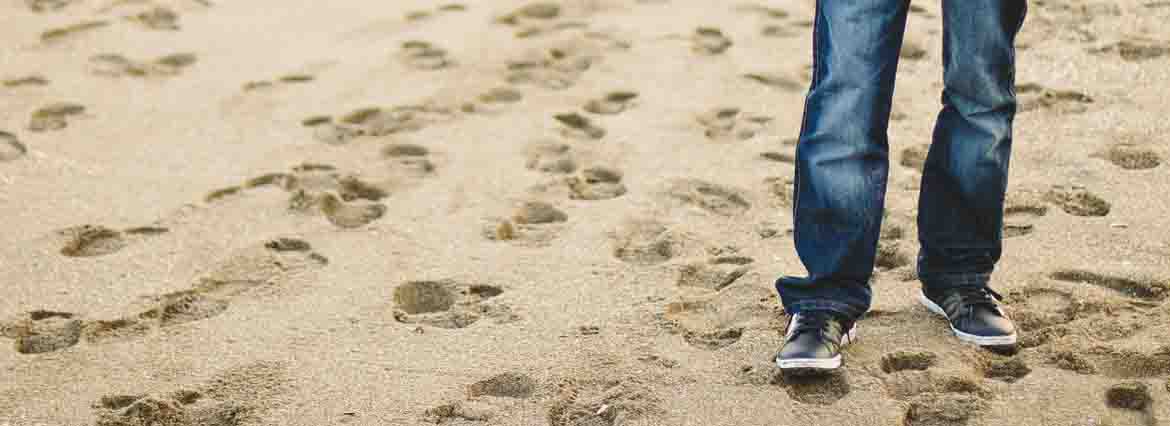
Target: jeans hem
952,280
844,309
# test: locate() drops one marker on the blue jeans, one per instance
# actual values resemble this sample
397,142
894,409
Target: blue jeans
842,157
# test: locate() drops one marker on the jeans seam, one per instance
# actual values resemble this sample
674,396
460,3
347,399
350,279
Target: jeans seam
816,66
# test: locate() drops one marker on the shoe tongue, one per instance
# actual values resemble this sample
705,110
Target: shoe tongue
815,322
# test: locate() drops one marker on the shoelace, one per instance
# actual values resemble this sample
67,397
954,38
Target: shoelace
817,322
974,296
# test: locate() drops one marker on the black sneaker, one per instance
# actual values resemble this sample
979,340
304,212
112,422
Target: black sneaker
974,315
813,342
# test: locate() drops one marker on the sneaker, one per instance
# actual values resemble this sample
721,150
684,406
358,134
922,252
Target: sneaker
813,342
974,315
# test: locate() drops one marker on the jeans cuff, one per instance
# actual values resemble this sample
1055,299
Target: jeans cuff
952,280
848,311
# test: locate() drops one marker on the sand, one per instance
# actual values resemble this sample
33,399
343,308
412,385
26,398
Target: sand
520,213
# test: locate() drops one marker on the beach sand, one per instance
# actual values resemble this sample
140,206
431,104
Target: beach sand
406,212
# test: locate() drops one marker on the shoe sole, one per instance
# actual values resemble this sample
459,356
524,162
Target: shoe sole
1008,340
813,366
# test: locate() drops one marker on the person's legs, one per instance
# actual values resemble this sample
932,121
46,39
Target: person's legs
841,156
960,205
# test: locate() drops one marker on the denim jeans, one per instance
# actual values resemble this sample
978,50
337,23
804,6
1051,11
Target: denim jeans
842,156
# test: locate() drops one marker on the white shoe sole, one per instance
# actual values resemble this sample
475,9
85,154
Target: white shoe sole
810,363
819,363
969,338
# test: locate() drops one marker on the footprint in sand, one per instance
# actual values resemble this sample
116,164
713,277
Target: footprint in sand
914,157
1135,49
115,65
352,188
596,183
779,157
10,147
729,124
1024,203
296,78
1037,307
604,403
706,196
307,183
1006,370
269,267
90,240
504,385
350,215
912,50
815,390
449,304
316,120
1126,363
709,41
612,103
539,29
1077,201
780,189
1033,97
423,55
96,240
59,34
541,11
1134,398
239,395
720,318
556,66
932,409
157,18
715,273
549,156
1013,230
409,160
890,255
544,18
777,80
512,385
894,252
779,31
1130,156
43,331
419,15
493,100
53,116
764,11
28,80
577,126
377,121
904,360
1139,287
648,242
40,6
1071,361
936,398
458,412
533,223
185,306
1129,396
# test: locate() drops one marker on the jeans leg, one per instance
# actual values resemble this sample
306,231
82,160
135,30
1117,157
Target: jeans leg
842,154
960,204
